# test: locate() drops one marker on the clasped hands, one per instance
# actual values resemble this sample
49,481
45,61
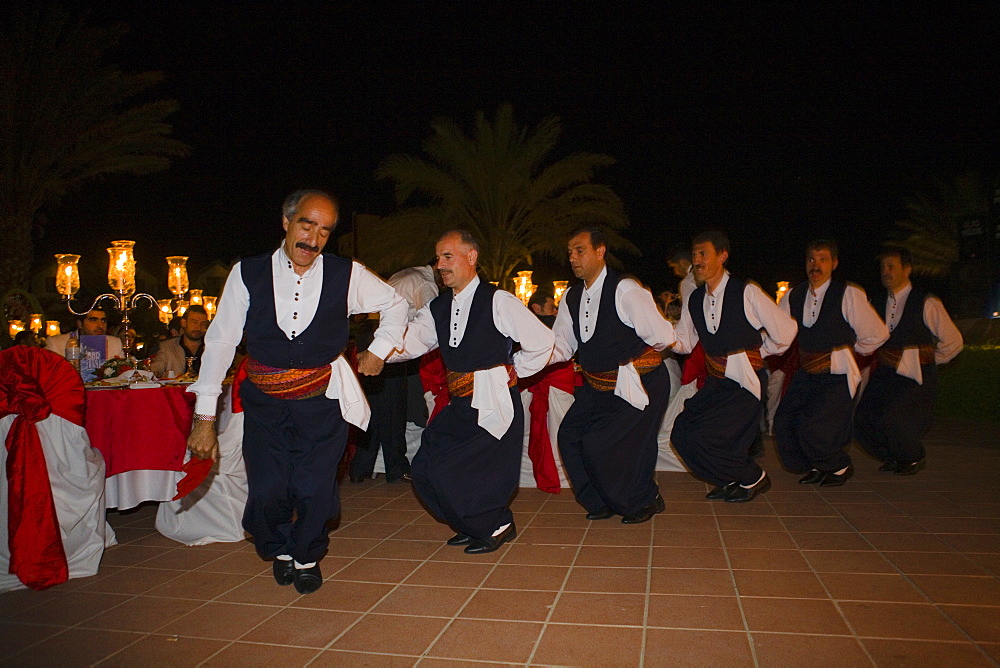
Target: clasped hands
370,364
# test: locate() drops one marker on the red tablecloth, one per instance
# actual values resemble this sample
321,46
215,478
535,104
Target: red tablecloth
140,429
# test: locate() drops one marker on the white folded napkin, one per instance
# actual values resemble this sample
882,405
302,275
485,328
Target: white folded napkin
491,397
353,405
842,362
738,368
143,385
629,386
909,365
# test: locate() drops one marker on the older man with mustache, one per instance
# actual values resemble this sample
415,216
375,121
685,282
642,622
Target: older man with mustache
293,305
813,423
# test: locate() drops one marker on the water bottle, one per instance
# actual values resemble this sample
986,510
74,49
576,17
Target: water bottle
73,351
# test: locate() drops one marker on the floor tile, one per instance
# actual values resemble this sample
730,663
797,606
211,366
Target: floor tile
793,615
448,574
924,653
132,580
772,540
513,605
222,621
378,570
68,609
767,560
15,637
517,577
165,651
612,609
899,620
263,590
694,581
200,585
623,557
266,656
344,595
808,540
807,651
620,580
404,549
550,536
490,641
79,647
781,584
689,557
871,587
143,613
695,612
959,589
363,659
540,555
300,627
687,538
430,601
598,646
980,622
670,647
825,561
406,635
934,563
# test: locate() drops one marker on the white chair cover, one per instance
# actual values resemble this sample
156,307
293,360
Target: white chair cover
666,458
76,473
212,513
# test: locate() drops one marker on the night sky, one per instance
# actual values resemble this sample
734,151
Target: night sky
778,125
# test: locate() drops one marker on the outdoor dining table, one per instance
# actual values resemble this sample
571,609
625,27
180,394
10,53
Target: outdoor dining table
142,434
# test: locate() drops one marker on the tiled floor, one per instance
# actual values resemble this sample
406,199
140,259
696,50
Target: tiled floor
885,571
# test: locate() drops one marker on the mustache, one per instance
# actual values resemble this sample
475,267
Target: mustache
304,246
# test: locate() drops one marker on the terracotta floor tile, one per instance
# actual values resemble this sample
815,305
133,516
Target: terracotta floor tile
550,536
623,557
518,577
814,511
512,605
199,585
613,609
695,612
405,635
349,547
793,615
703,538
749,523
378,570
756,509
491,641
808,540
960,524
239,561
133,580
910,653
847,562
15,637
567,520
934,563
143,613
68,609
775,540
899,620
639,535
431,531
430,601
266,656
782,584
367,530
363,659
907,542
691,504
261,590
689,557
302,628
395,516
183,558
448,574
222,621
958,589
598,646
972,542
767,560
980,622
130,555
349,596
992,649
805,651
540,555
669,647
818,524
79,647
694,581
612,580
871,587
666,522
166,651
886,524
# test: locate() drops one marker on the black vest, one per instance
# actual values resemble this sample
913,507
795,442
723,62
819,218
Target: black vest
482,346
613,343
831,330
321,342
910,329
735,333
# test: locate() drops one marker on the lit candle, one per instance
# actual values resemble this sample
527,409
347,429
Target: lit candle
210,304
67,274
52,328
558,288
14,327
36,322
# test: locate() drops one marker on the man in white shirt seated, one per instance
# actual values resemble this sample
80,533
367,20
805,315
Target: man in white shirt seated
169,360
94,323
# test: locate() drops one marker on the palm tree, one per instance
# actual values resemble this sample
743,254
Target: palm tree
497,185
931,228
66,117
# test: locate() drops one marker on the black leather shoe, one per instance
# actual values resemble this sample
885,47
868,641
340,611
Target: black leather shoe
722,491
743,494
910,469
308,580
284,572
646,513
812,477
834,480
602,514
889,466
459,539
493,543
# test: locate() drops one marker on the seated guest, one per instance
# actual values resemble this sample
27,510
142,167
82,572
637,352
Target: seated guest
169,360
25,338
543,305
94,323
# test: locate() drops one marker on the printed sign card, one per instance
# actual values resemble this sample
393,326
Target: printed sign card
95,353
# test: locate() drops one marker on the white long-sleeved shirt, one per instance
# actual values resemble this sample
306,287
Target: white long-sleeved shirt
761,312
491,396
416,285
871,332
936,318
635,307
296,299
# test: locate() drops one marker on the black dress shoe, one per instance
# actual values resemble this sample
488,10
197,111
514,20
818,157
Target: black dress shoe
646,513
459,539
910,469
812,477
743,494
889,466
308,580
492,543
722,491
834,480
602,514
284,572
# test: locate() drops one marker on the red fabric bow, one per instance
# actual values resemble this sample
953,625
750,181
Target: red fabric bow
434,378
35,383
561,376
197,469
788,362
694,367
